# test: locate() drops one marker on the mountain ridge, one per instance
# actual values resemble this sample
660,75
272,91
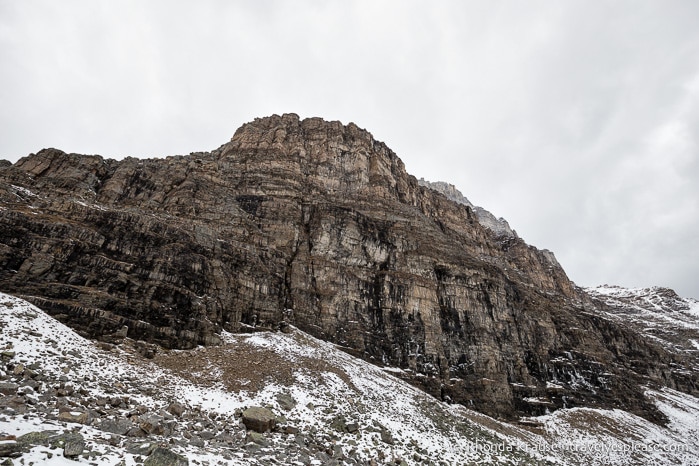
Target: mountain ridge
318,225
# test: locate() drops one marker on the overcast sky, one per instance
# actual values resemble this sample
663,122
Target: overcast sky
577,121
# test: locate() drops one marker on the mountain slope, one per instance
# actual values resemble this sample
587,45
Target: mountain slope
316,224
657,313
118,406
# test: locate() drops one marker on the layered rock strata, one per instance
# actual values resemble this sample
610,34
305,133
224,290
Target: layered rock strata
318,225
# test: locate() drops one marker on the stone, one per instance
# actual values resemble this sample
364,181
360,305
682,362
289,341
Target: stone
352,427
165,457
286,401
8,388
257,438
140,448
386,436
176,409
10,448
116,426
152,424
74,446
77,417
259,419
207,435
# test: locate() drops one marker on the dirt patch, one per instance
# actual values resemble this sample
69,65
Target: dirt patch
241,366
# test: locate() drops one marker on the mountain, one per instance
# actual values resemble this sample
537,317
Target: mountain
68,400
656,313
499,226
316,225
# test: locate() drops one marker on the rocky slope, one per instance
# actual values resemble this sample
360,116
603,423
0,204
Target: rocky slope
657,313
316,224
278,398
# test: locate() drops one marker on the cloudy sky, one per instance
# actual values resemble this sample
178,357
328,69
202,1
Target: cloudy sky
577,121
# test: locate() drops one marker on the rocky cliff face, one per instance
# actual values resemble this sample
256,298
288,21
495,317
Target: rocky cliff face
316,224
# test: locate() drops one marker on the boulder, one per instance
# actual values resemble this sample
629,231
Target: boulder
74,446
8,388
116,426
152,424
286,401
78,417
259,419
164,457
176,409
10,448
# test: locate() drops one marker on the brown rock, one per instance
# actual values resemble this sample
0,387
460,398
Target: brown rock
77,417
176,409
151,424
259,419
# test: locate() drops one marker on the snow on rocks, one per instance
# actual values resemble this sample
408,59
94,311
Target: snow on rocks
67,400
657,313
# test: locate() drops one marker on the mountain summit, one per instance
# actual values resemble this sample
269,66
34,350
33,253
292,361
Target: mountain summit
316,224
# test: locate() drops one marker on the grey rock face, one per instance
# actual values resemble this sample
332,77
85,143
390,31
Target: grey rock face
318,225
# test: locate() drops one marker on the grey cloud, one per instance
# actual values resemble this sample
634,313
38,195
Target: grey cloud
576,121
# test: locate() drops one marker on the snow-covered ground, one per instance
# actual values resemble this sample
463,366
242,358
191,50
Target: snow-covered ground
343,410
661,303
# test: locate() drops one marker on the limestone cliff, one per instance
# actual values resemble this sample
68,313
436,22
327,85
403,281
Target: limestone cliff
316,224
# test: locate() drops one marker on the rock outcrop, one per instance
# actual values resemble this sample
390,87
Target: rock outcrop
315,224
